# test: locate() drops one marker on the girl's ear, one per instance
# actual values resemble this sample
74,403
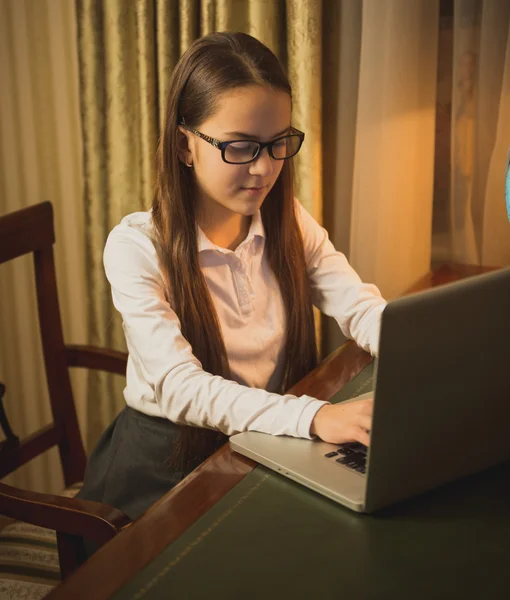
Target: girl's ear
184,146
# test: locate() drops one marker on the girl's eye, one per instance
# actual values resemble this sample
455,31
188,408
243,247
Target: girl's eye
240,152
241,145
280,143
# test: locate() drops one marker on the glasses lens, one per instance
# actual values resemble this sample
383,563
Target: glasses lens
286,147
241,152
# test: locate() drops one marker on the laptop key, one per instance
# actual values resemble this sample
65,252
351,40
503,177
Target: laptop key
345,451
354,447
353,461
330,454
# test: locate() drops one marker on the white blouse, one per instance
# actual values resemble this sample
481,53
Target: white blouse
165,379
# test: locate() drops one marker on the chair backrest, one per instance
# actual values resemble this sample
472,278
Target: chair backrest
30,231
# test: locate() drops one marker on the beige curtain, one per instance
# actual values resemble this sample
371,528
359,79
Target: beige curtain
40,159
127,51
379,89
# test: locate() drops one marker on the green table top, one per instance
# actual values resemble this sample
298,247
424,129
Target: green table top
272,538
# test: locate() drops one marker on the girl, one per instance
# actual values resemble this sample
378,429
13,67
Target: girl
215,284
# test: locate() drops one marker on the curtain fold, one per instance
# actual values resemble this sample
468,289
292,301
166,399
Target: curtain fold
496,228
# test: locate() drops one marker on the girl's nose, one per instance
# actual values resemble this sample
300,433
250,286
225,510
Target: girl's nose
262,165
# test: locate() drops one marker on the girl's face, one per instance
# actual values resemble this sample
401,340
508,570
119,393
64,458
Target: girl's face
252,112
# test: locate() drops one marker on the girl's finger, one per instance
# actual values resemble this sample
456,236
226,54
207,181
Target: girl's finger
364,421
363,437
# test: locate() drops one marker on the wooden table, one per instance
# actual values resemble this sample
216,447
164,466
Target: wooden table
116,563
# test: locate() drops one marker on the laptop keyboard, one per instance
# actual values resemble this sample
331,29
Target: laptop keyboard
350,454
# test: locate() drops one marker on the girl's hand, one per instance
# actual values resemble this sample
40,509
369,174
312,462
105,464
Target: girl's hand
344,422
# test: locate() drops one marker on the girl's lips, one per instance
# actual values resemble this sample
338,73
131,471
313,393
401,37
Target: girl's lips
253,191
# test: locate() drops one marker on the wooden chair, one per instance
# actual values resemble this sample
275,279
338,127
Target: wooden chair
30,230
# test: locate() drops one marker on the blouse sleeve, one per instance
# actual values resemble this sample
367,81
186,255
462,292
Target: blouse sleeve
184,391
337,289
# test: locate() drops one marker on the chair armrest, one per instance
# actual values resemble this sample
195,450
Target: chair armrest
72,516
91,357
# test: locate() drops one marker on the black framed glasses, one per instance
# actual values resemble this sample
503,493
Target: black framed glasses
240,152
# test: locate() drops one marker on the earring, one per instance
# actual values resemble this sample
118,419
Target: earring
189,164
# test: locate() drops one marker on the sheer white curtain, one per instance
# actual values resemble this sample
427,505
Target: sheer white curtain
473,134
394,159
380,190
393,108
379,127
480,134
40,159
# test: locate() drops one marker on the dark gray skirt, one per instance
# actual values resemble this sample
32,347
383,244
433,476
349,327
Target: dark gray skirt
128,468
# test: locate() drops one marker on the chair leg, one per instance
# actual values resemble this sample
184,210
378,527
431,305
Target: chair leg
70,553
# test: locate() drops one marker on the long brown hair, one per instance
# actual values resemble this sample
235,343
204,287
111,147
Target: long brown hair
212,65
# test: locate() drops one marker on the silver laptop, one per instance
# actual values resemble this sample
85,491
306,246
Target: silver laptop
441,402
